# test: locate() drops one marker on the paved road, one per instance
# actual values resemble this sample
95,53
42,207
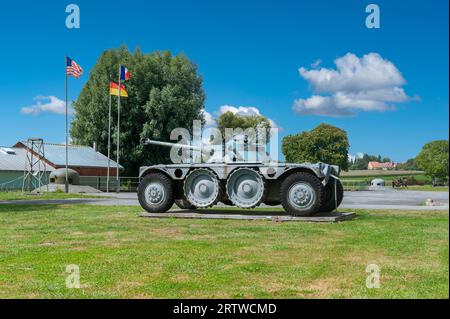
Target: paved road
395,199
377,199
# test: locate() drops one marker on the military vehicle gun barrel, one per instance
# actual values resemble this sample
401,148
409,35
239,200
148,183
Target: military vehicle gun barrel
148,141
213,153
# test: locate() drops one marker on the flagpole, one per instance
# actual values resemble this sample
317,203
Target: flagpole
118,136
109,135
67,134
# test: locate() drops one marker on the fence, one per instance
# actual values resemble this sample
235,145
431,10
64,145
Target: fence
12,185
127,184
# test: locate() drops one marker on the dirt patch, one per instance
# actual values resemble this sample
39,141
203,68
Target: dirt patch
324,287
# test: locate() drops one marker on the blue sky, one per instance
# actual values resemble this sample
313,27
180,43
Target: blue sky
249,54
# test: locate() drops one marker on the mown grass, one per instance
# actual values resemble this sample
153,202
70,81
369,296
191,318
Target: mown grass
7,196
388,179
121,255
428,188
360,180
382,173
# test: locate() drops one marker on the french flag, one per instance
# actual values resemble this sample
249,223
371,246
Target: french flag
124,73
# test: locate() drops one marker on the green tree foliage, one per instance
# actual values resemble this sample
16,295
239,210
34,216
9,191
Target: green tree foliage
325,143
409,165
231,120
164,92
433,159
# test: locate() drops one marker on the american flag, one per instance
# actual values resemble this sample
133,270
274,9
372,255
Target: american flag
72,68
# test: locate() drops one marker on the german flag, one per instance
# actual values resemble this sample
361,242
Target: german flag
114,89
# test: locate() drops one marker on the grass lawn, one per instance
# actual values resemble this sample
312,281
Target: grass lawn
360,180
428,188
121,255
381,173
387,178
7,196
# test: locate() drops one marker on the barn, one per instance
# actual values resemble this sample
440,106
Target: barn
83,159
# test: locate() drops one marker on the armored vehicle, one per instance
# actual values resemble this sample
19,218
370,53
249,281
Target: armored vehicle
302,189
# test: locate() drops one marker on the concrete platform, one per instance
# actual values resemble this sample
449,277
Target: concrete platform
253,215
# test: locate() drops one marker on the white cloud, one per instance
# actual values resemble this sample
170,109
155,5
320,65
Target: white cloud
370,83
209,119
46,104
352,158
316,63
244,111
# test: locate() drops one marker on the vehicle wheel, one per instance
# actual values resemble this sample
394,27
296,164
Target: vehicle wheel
245,188
301,194
202,188
329,204
184,204
155,193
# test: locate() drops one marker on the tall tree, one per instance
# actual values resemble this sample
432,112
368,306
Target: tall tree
409,165
433,159
234,121
325,143
165,92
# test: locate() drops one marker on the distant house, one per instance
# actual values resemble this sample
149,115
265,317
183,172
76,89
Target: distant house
381,166
83,159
